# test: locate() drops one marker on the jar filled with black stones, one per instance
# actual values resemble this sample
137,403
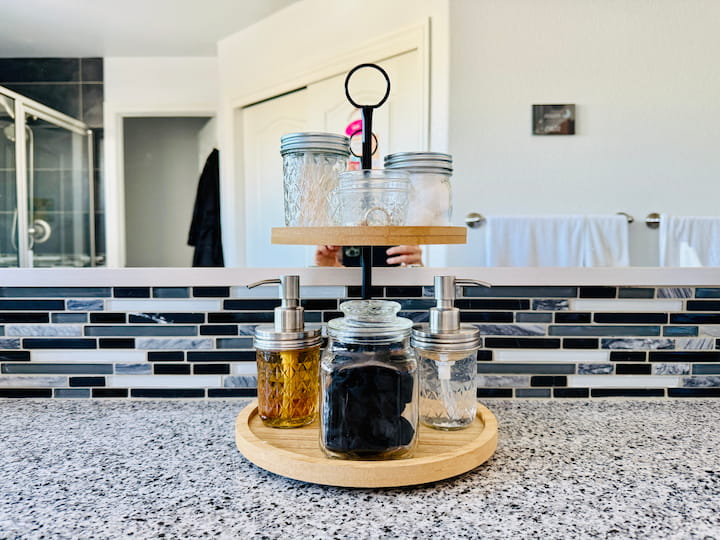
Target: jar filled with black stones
369,404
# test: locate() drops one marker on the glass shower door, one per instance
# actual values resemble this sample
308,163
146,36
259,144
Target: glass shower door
60,228
8,185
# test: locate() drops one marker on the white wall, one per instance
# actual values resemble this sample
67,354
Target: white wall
147,86
311,36
643,76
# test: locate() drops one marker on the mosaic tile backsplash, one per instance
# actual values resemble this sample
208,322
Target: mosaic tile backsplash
196,342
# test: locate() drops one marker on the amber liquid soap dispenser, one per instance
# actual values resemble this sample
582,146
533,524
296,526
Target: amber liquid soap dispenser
288,359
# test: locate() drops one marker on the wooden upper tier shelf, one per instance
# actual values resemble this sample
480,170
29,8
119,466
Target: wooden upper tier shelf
368,236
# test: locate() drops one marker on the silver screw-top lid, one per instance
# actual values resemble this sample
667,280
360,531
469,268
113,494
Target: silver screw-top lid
444,333
435,162
328,143
288,331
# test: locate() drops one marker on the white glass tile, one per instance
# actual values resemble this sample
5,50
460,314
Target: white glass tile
622,381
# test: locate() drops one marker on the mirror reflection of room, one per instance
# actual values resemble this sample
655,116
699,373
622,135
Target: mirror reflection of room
581,134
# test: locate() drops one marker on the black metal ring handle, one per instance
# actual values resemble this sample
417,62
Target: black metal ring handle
347,81
359,132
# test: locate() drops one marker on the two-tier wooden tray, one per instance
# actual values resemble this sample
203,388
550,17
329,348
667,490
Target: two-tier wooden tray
295,453
368,236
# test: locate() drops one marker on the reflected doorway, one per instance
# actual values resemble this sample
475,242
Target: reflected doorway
163,159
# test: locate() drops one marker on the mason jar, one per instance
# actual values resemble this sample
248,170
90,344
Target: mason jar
430,199
369,384
312,163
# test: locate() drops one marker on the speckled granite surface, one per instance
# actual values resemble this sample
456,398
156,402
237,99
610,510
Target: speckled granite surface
563,469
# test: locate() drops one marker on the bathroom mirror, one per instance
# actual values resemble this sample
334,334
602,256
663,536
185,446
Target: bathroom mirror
647,119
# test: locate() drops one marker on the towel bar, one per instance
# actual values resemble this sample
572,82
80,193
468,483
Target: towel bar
652,220
475,220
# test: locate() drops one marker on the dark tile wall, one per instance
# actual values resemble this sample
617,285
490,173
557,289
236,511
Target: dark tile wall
73,86
196,342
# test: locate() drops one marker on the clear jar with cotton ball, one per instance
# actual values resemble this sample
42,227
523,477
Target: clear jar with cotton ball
447,361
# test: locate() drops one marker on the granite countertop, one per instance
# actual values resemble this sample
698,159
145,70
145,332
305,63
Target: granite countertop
563,469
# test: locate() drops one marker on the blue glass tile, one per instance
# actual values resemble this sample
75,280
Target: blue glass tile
250,317
166,356
219,330
20,317
87,381
598,292
56,368
693,392
313,317
232,392
71,392
703,305
504,304
598,330
636,292
521,343
695,318
167,393
55,292
406,292
171,292
532,392
221,356
108,318
131,292
117,343
85,305
627,392
566,317
211,369
494,392
581,343
234,343
319,304
171,369
548,380
706,369
25,392
174,343
571,392
14,356
680,331
69,317
133,330
633,369
704,292
684,356
109,392
498,368
211,292
32,305
521,292
631,318
487,316
59,343
530,317
628,356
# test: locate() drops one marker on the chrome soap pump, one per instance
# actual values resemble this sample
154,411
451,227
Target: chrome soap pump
288,361
447,361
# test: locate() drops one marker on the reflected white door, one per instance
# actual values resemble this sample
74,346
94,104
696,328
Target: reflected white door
400,125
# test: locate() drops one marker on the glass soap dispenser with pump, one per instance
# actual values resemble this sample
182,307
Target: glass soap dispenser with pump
288,361
447,361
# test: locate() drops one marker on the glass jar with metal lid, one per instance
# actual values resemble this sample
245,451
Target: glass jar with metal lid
368,380
430,202
447,354
311,165
288,361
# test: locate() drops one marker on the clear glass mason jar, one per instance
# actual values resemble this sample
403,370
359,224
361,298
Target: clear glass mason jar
368,381
374,197
448,388
430,200
312,163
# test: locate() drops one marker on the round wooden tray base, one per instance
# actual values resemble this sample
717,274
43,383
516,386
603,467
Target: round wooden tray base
368,236
295,453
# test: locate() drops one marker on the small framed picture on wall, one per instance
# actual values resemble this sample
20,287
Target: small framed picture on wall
553,119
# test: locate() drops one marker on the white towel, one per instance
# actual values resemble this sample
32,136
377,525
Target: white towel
689,241
557,240
606,241
535,240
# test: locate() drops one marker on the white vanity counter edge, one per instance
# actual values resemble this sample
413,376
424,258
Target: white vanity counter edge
168,277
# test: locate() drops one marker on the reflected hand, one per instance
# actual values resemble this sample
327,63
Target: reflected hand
405,255
328,256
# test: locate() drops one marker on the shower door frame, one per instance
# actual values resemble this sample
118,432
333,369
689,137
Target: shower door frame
25,106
